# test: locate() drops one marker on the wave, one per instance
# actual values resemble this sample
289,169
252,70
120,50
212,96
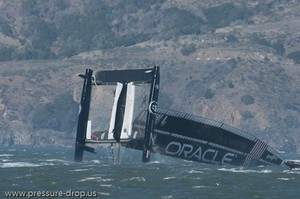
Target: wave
154,162
6,155
235,170
139,179
80,170
96,161
18,164
200,187
5,160
167,197
294,171
55,161
169,178
195,171
97,179
106,185
285,179
104,194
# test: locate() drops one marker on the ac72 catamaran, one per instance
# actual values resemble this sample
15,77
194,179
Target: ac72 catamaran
119,108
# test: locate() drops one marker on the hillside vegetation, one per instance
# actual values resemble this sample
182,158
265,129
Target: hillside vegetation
232,61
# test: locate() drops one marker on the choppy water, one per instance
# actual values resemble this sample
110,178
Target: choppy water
53,169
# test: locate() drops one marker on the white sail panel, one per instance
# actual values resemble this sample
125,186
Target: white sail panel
114,110
89,130
129,110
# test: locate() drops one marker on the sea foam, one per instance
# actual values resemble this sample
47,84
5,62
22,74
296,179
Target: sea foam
18,164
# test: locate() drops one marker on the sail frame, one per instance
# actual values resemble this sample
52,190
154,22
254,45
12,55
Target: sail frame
117,77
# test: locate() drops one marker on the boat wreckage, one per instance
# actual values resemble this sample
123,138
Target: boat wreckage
135,121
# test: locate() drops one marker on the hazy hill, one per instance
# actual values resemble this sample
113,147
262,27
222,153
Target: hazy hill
232,61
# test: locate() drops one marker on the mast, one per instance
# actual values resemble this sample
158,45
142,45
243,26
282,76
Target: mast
83,117
150,121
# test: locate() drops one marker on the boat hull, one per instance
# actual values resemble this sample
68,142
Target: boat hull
189,137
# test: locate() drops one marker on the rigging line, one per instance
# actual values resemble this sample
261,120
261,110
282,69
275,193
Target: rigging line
98,92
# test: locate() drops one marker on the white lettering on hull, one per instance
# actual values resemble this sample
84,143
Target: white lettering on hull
187,151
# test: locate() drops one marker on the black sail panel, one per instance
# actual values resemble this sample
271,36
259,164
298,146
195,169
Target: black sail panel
120,113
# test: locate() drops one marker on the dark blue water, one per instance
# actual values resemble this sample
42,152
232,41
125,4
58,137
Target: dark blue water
50,170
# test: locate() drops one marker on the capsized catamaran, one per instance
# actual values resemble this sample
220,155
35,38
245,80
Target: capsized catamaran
135,121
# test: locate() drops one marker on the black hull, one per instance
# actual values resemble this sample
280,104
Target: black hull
202,140
202,152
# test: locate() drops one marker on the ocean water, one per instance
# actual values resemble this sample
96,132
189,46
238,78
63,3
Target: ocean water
44,172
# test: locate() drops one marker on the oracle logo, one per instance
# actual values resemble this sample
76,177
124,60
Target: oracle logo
188,151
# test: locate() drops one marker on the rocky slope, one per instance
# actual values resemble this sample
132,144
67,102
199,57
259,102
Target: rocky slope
242,69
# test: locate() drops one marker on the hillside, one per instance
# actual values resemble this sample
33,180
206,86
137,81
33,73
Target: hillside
232,61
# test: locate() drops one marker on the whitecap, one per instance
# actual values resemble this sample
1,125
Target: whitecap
294,171
266,171
167,197
88,179
98,179
96,161
104,194
56,160
140,179
47,164
154,162
18,164
195,171
80,170
169,178
284,179
234,170
200,187
6,155
106,185
15,185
